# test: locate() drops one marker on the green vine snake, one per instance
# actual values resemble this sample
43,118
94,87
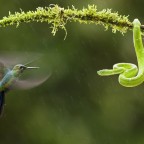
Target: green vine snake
129,74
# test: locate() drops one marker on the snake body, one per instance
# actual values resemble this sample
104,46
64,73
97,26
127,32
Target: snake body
129,74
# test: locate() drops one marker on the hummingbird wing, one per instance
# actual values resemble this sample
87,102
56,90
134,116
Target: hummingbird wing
2,101
3,70
12,58
28,84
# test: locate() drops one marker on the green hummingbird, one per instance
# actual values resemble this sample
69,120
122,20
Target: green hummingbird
9,79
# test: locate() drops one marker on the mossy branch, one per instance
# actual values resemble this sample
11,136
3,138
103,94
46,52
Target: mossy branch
58,17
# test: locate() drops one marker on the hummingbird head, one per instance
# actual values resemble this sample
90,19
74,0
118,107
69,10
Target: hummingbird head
19,68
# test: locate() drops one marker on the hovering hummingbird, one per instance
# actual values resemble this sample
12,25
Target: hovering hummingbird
9,79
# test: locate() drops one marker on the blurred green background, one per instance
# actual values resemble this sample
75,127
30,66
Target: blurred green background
75,105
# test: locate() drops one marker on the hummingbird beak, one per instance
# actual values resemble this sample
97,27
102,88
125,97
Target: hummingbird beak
23,68
32,67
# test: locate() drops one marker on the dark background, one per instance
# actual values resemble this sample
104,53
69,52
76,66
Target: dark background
75,105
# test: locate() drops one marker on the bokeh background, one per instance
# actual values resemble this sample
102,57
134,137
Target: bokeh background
75,105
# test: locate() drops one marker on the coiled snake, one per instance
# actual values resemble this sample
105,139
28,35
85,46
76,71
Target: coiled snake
129,74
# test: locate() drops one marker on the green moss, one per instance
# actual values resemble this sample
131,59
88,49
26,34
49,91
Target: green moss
58,17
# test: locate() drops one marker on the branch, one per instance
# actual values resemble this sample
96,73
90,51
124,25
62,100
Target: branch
58,18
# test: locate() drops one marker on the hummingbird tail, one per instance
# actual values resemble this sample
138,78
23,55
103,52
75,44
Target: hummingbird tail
2,102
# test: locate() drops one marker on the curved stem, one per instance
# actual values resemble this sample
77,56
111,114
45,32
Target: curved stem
58,17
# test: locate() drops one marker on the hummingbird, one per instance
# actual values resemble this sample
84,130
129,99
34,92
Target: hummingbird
9,79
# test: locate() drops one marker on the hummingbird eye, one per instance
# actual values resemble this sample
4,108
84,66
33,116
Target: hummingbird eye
21,67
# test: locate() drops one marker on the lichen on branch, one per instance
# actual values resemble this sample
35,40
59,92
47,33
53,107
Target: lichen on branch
58,18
